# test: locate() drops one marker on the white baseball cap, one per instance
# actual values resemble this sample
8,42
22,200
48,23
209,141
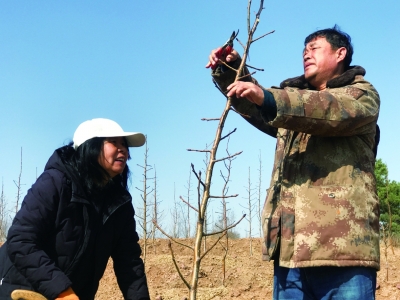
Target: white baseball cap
105,128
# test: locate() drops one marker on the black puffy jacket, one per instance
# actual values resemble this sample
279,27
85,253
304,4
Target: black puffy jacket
60,239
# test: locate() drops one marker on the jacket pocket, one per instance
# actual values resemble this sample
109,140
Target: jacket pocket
271,229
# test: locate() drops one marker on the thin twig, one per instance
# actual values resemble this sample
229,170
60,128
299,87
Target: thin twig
143,191
225,229
240,42
198,188
246,75
251,67
197,176
213,245
194,150
228,157
176,266
223,247
216,85
223,197
248,16
192,207
228,134
225,64
239,113
214,119
170,237
262,36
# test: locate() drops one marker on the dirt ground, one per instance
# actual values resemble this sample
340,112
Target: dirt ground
247,276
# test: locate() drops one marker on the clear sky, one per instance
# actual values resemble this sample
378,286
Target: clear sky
141,63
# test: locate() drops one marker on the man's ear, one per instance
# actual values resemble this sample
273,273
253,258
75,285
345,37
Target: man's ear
341,54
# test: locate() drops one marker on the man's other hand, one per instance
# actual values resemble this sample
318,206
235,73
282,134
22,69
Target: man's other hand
247,90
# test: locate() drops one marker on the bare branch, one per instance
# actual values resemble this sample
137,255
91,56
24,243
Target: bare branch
149,167
213,245
239,113
234,130
223,246
224,197
262,70
263,36
240,42
198,191
188,204
216,85
228,157
214,119
170,237
246,75
248,17
227,228
176,266
194,150
250,35
197,176
228,66
147,193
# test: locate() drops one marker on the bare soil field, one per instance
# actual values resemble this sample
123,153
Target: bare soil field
247,276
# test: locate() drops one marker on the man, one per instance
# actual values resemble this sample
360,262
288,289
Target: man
321,214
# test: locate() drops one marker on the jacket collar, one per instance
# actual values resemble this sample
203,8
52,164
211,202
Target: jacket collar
346,78
111,198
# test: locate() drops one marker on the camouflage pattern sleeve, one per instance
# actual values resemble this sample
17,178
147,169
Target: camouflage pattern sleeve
343,111
224,76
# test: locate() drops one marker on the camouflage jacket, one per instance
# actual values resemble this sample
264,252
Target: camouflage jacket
322,208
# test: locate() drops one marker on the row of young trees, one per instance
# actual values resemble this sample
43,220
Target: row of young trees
6,212
150,210
3,215
181,227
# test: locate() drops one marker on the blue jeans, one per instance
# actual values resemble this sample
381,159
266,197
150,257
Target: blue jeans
324,283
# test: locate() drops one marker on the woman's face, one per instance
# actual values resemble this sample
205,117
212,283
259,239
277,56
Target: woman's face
114,155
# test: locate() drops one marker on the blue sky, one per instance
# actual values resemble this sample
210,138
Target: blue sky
141,63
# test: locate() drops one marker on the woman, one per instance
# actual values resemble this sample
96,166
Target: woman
75,217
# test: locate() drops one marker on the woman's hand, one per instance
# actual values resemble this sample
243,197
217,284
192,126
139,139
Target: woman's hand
68,294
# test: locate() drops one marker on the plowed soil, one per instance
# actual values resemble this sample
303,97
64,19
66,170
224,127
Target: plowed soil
246,275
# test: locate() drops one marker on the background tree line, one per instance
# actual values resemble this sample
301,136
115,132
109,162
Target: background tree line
388,192
389,197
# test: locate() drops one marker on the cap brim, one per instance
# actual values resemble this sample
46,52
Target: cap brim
135,139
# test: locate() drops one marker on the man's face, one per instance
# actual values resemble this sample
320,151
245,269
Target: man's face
321,62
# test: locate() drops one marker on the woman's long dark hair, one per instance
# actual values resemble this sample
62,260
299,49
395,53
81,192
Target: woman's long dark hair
84,162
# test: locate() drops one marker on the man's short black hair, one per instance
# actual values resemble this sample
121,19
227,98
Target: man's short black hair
337,39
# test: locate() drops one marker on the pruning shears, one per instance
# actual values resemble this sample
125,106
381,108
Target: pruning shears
226,48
